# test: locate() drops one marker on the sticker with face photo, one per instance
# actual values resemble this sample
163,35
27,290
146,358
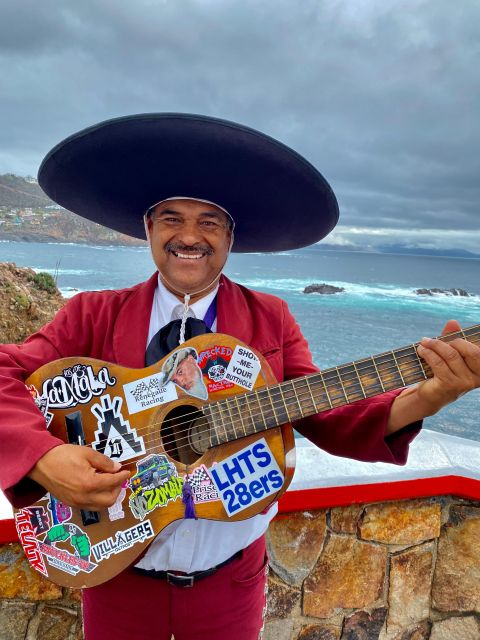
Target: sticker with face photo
182,369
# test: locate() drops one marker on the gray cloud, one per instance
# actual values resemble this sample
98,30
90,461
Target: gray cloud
382,97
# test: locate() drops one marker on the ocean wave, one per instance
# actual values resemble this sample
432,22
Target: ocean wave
365,294
66,272
69,292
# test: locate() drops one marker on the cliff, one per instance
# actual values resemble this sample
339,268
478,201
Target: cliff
28,215
27,301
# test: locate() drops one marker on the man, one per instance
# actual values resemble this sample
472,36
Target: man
195,177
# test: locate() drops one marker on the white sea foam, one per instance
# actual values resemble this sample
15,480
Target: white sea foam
367,292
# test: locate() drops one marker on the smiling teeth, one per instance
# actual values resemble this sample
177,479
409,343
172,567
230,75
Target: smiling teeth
188,256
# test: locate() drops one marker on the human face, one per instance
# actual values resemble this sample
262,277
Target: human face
187,373
190,241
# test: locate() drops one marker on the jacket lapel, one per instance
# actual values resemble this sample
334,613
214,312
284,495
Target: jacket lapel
131,328
234,316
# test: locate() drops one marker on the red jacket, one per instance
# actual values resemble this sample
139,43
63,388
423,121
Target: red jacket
113,326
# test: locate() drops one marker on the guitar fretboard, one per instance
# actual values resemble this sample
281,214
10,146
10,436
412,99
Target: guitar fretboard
269,407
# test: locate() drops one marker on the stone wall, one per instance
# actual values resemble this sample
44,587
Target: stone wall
392,571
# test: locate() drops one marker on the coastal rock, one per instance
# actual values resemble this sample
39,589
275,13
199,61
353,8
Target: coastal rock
278,630
457,570
403,523
346,519
294,544
364,625
283,600
319,632
456,629
419,632
18,580
409,590
14,619
326,289
446,292
349,575
56,623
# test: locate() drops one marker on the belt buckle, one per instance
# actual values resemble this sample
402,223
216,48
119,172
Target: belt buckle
180,581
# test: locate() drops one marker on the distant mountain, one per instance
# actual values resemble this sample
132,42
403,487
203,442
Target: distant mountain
402,249
445,253
21,192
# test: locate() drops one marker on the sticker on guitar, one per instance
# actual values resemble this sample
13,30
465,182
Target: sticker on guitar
115,438
243,368
247,477
123,540
76,385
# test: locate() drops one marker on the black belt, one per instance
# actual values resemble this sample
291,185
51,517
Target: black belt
185,579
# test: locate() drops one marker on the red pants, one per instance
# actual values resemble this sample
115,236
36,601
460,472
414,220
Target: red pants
227,605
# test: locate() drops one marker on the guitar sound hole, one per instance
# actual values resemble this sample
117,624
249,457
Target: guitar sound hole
185,434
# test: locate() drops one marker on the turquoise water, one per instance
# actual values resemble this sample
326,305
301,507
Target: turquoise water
378,310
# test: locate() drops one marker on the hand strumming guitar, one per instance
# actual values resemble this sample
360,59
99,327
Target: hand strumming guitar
80,476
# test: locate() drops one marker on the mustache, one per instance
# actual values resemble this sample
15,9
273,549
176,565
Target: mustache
179,247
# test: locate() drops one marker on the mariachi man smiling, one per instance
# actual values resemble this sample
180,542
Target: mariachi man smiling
197,181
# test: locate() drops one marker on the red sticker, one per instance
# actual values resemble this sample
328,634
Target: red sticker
214,362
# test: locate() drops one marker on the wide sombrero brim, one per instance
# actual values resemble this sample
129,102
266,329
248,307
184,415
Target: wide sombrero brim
112,172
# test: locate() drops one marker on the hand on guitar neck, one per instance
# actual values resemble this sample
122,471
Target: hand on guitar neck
80,476
455,365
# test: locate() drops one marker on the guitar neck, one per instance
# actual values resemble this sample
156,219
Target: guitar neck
269,407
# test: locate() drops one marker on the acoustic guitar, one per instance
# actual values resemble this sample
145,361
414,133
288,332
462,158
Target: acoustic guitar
205,433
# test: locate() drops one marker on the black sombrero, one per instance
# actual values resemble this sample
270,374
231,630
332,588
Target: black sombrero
112,172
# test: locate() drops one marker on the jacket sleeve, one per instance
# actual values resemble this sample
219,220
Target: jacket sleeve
355,430
23,436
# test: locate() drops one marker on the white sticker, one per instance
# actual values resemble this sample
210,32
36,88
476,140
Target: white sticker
243,368
148,392
115,437
123,540
246,477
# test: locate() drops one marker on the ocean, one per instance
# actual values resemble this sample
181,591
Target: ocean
378,310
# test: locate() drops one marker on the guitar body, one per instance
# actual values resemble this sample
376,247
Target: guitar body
176,422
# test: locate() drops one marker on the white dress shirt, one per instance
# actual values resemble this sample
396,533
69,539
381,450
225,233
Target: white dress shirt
195,545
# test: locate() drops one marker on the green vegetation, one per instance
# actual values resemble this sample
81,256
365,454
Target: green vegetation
45,282
22,301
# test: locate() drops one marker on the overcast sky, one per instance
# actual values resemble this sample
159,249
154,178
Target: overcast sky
383,97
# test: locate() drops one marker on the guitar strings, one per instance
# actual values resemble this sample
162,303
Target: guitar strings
326,376
334,377
230,422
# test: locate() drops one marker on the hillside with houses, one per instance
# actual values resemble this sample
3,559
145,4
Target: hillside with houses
28,215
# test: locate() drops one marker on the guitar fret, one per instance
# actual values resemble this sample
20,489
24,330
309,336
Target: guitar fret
326,391
291,397
220,406
314,404
216,421
297,399
378,374
240,414
284,403
359,379
232,419
341,383
261,410
267,389
420,361
399,370
247,401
